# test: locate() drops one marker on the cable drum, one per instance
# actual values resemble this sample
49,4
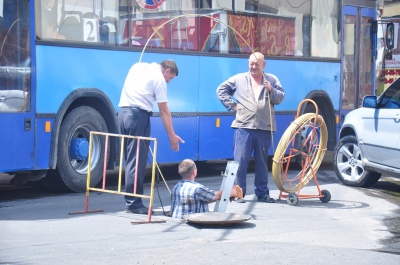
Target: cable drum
312,130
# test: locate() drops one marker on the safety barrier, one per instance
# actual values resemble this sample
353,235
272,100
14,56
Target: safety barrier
118,191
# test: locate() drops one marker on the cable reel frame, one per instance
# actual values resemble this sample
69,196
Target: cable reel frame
312,128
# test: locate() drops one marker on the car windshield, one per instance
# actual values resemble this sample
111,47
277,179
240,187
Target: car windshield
391,97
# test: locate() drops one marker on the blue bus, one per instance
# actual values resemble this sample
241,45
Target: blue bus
63,65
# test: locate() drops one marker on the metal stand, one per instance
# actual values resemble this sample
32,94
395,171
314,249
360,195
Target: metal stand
219,216
229,176
292,198
305,138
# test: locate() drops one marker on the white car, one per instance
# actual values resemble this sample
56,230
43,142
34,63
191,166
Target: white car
369,144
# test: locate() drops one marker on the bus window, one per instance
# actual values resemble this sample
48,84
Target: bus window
325,35
159,27
92,21
79,21
273,27
349,74
285,29
276,28
15,68
365,66
47,26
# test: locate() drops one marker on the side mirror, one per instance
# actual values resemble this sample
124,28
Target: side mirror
389,40
369,102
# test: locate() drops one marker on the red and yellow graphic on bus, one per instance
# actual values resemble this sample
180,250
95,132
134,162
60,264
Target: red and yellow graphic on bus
269,35
244,35
275,34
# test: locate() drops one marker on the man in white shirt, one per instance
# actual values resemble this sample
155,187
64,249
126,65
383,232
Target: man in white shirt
145,83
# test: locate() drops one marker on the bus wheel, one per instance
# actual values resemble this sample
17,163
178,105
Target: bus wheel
73,148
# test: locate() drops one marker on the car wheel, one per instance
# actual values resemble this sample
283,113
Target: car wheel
348,164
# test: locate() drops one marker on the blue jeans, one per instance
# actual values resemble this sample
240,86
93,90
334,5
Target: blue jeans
246,143
135,122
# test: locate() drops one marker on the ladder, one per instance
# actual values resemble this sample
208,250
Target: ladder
229,176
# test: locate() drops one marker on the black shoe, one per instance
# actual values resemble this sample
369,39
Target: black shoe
141,210
266,198
240,201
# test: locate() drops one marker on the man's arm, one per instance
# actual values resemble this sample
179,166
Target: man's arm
277,95
218,194
225,92
276,92
167,121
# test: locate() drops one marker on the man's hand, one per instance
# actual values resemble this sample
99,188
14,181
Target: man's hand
237,193
174,141
267,85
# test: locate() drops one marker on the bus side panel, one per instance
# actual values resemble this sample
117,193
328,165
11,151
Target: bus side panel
214,71
183,90
217,142
18,141
193,91
186,128
298,78
59,73
215,137
43,142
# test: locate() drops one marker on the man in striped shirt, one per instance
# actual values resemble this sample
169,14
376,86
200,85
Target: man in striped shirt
189,196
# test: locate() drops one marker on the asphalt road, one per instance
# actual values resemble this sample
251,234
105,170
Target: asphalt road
358,226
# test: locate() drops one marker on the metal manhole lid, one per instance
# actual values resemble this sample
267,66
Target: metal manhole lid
215,218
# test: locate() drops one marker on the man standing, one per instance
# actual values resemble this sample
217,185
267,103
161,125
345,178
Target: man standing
252,95
190,197
144,84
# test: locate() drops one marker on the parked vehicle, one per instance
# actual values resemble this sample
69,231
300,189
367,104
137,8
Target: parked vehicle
369,144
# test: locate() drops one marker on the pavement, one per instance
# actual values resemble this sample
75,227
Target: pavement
349,229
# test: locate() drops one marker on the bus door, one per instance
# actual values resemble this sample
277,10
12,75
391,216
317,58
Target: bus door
16,116
358,64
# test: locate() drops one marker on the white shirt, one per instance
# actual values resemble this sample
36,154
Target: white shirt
143,85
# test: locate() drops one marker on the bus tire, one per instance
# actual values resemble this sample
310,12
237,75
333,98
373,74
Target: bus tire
77,125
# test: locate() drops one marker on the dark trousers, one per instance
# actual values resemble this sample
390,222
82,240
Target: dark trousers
246,143
135,122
